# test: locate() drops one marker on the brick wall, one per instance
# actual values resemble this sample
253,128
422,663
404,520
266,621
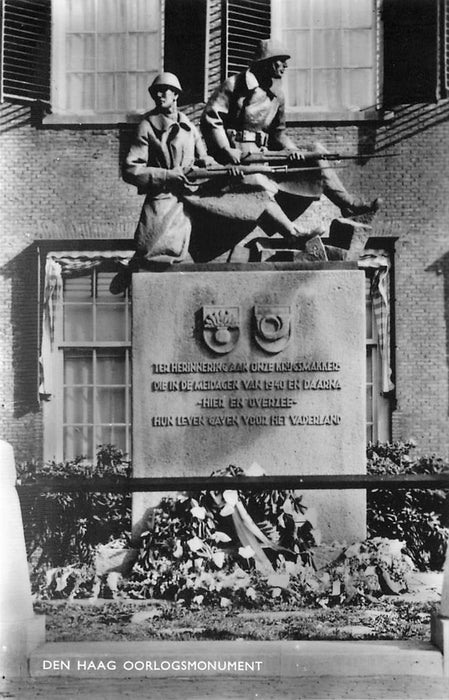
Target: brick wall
414,184
415,187
56,184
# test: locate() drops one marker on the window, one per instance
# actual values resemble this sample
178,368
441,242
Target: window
105,53
333,46
96,365
377,264
348,57
87,361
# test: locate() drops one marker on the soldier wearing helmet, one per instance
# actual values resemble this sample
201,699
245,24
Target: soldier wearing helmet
246,114
166,146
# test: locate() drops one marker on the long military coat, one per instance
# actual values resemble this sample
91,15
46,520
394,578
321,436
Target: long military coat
162,143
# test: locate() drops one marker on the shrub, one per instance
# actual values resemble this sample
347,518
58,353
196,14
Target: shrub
64,528
218,546
418,517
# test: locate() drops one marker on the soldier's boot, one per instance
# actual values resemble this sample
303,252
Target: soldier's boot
274,220
349,204
360,206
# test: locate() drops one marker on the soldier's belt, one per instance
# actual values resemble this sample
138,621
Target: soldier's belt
246,136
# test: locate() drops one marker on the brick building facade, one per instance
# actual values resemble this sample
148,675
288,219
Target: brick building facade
62,188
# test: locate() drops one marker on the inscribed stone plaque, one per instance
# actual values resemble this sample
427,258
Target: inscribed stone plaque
232,367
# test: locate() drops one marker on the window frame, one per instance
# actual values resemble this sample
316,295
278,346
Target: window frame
58,83
379,427
53,406
383,404
92,348
62,427
301,115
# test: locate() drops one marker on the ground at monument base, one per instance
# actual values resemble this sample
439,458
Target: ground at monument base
411,669
406,616
404,687
85,621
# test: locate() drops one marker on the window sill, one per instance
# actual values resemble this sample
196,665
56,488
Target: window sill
297,116
110,119
293,117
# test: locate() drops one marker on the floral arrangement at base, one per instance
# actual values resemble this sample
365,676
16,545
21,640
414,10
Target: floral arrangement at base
240,548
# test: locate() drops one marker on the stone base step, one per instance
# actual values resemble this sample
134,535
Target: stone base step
235,658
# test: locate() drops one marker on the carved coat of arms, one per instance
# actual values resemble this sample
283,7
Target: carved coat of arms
221,327
272,329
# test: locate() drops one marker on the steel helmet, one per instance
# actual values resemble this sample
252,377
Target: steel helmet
269,49
168,79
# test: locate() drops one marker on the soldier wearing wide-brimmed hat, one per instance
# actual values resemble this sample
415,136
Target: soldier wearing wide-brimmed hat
167,145
246,114
248,108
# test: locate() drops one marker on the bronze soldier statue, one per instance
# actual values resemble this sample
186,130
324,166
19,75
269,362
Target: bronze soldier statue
246,115
166,146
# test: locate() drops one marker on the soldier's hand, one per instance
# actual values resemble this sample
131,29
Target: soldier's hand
176,177
231,156
296,156
235,171
178,183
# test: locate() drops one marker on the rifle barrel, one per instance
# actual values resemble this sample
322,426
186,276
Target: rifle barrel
275,156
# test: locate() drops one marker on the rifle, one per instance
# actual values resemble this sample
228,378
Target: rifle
254,163
259,167
308,156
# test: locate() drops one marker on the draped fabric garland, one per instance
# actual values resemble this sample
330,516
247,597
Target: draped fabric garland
380,261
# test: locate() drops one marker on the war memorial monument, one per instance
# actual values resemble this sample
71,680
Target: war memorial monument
264,363
248,332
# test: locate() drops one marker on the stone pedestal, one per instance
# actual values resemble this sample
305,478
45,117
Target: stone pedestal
20,630
257,363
